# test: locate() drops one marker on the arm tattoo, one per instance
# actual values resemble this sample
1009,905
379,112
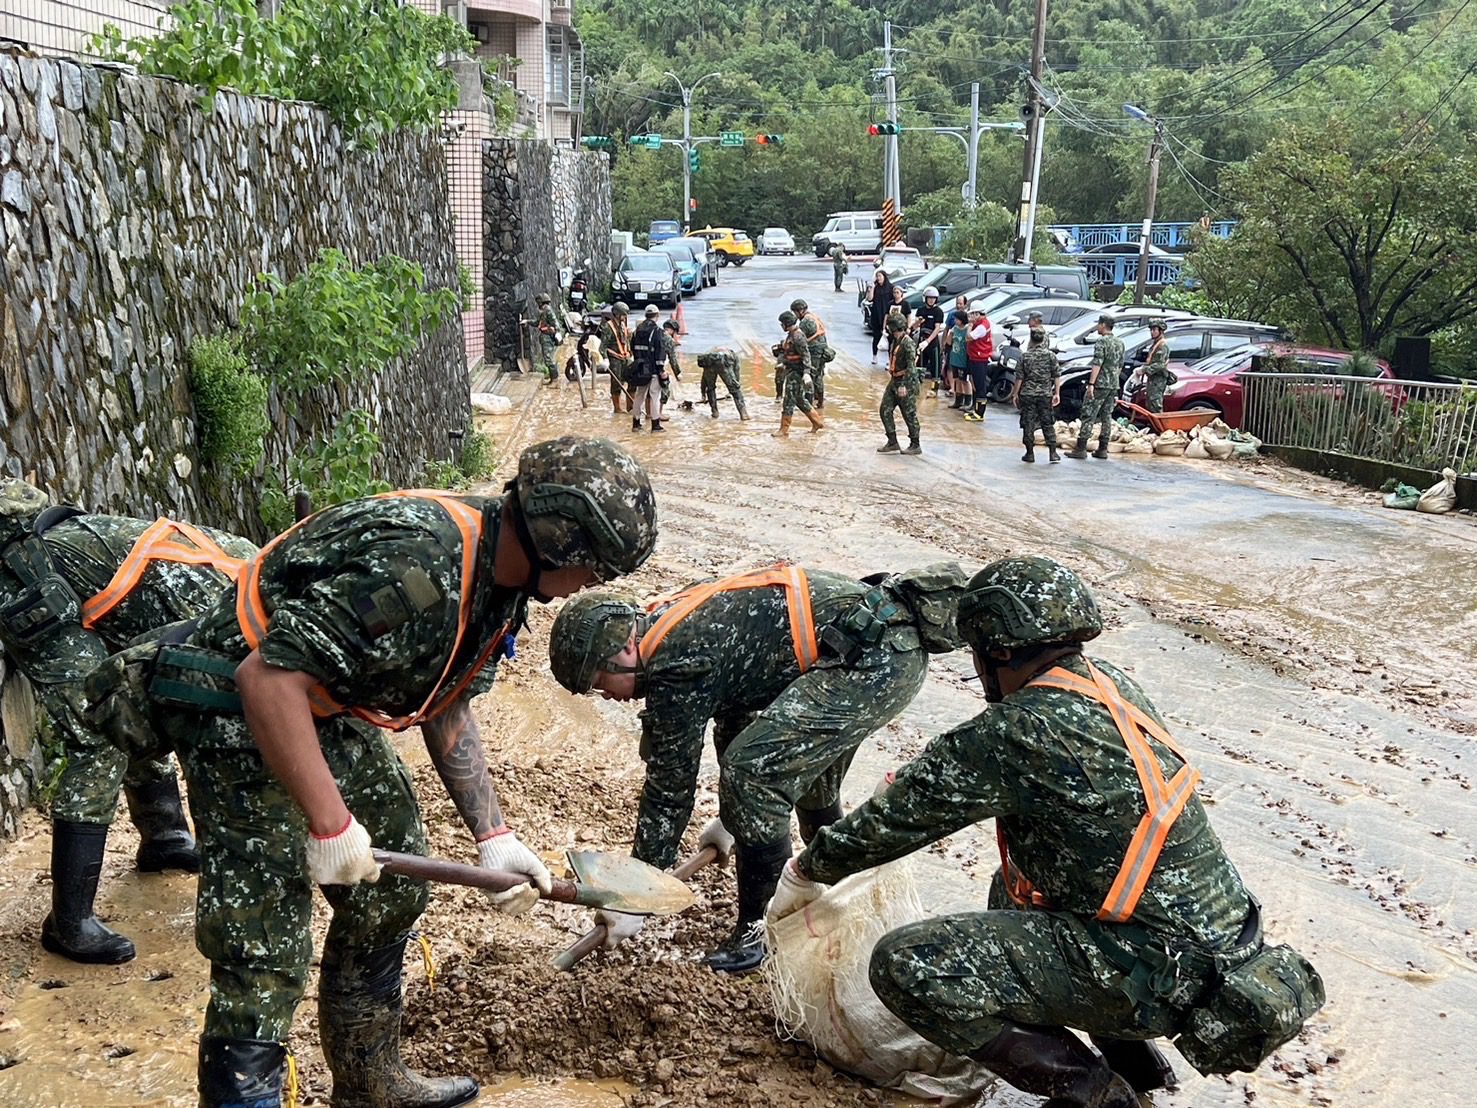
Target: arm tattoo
456,751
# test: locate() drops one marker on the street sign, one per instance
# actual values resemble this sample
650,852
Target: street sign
654,142
730,138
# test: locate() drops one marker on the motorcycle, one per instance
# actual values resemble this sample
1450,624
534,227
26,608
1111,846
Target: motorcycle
579,287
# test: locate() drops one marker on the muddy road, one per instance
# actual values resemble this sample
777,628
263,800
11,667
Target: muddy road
1313,651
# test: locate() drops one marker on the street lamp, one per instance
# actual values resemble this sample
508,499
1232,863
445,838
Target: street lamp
1157,144
687,140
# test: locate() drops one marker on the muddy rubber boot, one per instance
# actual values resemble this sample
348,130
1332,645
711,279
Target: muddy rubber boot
615,404
165,839
635,425
1029,455
1052,1062
71,929
813,819
743,409
784,428
888,447
240,1073
758,871
656,427
359,1009
1138,1061
1100,453
1052,456
816,423
1079,451
913,447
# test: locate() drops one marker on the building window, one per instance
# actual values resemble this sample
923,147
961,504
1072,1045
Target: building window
556,83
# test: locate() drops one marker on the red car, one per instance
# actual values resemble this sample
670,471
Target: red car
1215,382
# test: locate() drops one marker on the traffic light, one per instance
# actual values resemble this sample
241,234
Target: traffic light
694,161
885,129
596,142
636,140
769,140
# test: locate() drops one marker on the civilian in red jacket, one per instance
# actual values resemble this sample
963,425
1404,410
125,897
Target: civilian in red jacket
980,349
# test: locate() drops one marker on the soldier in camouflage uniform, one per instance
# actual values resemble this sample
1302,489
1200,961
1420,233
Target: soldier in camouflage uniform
838,264
1036,393
548,334
615,339
669,353
61,614
819,349
723,364
391,610
791,696
794,358
1156,370
1102,390
903,384
1091,925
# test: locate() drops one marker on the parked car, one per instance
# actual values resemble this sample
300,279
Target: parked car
952,278
703,249
900,261
1055,311
776,240
1131,249
857,232
662,230
1083,330
689,264
733,247
1215,383
647,277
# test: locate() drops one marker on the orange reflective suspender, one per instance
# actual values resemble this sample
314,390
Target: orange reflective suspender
1163,800
251,614
160,542
618,331
797,599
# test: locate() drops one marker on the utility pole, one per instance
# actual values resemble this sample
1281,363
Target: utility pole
687,142
1030,172
892,186
971,186
1152,196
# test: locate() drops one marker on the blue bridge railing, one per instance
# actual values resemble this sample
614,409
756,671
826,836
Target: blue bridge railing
1123,269
1171,236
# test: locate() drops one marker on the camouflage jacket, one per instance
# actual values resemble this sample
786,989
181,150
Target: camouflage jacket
838,256
730,657
1052,769
1107,353
365,596
1158,365
85,552
714,362
794,352
902,362
1039,372
669,352
615,340
548,323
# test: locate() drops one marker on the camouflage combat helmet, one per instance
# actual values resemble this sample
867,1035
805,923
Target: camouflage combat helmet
542,298
1017,602
788,320
20,504
620,307
1159,323
586,502
797,306
589,629
896,323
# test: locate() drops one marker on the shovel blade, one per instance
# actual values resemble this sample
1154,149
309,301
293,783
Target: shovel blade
624,884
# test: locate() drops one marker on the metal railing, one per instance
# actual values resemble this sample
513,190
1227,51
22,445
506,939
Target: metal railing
1123,269
1409,423
1168,235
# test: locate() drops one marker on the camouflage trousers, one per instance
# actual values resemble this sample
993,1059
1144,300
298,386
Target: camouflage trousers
547,345
255,902
958,979
1096,409
1037,413
909,404
93,769
710,389
818,384
1154,390
618,370
837,273
797,392
795,752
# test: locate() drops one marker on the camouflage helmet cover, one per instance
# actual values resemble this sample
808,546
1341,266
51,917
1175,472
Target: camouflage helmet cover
620,307
587,502
20,504
542,298
590,628
797,306
1015,602
1158,323
896,322
788,319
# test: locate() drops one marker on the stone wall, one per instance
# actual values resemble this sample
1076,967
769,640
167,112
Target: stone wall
543,209
131,221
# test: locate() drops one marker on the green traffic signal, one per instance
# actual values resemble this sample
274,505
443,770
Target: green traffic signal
596,142
694,161
636,140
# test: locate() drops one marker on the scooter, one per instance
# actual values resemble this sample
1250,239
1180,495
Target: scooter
579,287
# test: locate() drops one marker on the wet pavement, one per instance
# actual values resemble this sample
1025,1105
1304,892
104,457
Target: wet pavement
1311,650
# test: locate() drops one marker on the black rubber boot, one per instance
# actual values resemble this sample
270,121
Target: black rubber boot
635,425
240,1073
758,871
1053,457
1137,1061
1100,453
888,447
656,425
71,929
813,819
913,447
165,839
1079,451
359,1008
1029,455
1052,1062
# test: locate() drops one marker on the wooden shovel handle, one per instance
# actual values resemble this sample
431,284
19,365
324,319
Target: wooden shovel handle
594,938
458,873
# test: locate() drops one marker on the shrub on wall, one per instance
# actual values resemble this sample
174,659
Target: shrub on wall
230,403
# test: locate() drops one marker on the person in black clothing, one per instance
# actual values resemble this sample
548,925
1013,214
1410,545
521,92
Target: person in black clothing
878,307
930,324
648,357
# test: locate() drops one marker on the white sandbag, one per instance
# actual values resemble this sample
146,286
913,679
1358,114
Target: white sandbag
1197,450
1219,427
1440,497
1216,446
817,971
1040,437
490,403
1171,443
1115,446
1138,445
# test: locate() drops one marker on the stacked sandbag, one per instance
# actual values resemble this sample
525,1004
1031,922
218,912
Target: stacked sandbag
1244,445
1171,444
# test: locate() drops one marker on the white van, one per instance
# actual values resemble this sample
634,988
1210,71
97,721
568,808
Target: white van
857,232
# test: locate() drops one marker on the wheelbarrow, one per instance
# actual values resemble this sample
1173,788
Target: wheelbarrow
1160,422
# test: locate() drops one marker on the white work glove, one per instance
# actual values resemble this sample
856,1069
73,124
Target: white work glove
793,893
342,859
619,926
503,851
717,836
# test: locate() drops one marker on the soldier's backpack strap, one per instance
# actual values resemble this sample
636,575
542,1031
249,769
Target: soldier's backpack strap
792,579
164,540
45,601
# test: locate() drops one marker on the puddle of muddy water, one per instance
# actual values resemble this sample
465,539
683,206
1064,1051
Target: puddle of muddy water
555,1094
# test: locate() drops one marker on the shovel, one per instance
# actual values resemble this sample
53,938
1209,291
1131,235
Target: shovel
594,938
614,881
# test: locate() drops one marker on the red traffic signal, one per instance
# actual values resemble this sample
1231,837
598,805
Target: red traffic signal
873,129
769,140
